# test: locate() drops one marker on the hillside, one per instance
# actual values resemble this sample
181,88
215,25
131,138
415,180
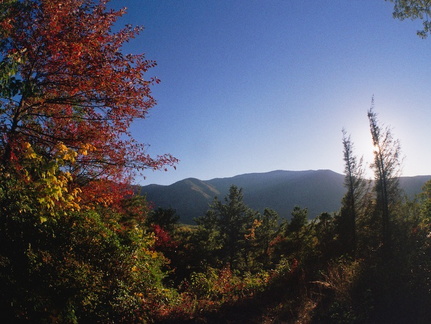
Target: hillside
318,190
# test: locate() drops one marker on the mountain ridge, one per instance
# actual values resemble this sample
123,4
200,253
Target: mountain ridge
281,190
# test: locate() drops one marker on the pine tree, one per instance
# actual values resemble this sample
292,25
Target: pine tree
228,223
353,201
387,169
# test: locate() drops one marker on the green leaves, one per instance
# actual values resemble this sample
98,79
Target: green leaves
414,9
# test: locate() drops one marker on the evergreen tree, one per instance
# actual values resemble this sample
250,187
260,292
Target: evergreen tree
298,234
228,224
266,231
166,218
387,168
353,201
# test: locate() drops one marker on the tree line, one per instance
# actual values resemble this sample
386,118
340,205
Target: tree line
367,263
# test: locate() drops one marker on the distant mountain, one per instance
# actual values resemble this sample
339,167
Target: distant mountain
318,190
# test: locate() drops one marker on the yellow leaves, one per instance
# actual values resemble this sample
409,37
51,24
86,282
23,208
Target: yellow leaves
85,148
65,153
152,254
55,190
61,147
61,153
29,153
48,181
252,233
257,223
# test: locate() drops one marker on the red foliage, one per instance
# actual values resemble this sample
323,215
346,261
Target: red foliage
106,193
163,238
72,84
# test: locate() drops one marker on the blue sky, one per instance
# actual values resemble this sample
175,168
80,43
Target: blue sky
261,85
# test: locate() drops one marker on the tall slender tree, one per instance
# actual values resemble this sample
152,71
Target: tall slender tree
387,169
353,200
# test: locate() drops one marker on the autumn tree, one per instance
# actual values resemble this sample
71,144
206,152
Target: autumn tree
64,82
387,169
72,244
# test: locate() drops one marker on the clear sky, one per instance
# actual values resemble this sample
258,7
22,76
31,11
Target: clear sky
261,85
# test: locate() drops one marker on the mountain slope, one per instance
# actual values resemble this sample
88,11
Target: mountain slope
283,190
319,191
190,197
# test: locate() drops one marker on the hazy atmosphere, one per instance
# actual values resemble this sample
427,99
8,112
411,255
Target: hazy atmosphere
254,86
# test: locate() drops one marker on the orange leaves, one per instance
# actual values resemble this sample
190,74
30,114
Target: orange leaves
65,153
251,235
77,89
85,148
105,193
67,98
